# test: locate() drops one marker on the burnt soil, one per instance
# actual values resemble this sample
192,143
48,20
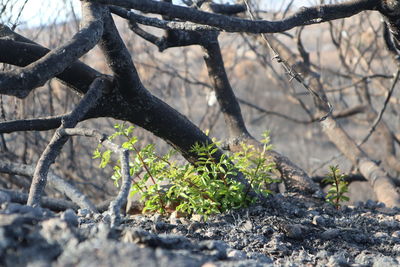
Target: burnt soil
286,230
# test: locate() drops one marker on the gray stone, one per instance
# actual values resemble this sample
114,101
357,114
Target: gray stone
247,226
319,220
330,234
70,217
384,261
197,218
338,260
83,212
234,254
396,234
295,231
4,197
173,219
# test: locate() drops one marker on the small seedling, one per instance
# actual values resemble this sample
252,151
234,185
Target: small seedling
338,189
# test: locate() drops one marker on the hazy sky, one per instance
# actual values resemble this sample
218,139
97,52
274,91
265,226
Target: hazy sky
38,12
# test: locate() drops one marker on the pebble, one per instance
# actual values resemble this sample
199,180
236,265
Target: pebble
83,212
384,261
173,219
381,235
4,197
370,204
330,234
70,217
337,260
156,218
396,234
318,220
235,254
197,218
295,231
247,226
194,226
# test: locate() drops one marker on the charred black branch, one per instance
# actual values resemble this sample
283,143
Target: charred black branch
46,202
40,124
305,16
20,82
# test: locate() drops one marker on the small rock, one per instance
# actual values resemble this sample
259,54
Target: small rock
97,216
106,218
173,219
184,221
319,220
247,226
267,230
161,227
387,211
359,204
4,241
156,218
219,248
381,235
396,234
295,231
235,254
384,261
83,212
197,218
330,234
194,226
4,197
364,258
380,205
370,204
259,257
70,217
322,254
337,260
210,233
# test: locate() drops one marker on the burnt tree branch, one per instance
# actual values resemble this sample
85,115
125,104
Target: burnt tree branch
305,16
54,147
20,82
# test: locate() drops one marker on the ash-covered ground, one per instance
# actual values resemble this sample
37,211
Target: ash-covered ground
287,230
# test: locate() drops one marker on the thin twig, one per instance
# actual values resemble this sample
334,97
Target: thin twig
379,117
294,75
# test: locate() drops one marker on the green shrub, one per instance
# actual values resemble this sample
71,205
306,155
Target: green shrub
204,188
338,187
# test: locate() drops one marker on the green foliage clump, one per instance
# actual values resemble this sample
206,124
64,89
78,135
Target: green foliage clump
338,189
204,188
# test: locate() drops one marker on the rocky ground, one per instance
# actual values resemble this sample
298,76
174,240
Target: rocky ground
287,230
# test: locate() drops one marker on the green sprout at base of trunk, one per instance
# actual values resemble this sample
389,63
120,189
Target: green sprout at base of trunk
338,189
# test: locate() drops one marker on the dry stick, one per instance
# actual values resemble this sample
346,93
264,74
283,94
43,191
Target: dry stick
379,117
53,149
116,204
57,182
